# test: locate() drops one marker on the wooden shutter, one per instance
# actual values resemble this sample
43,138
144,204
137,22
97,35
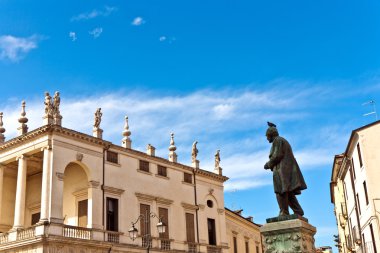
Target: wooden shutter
163,214
145,223
82,213
190,231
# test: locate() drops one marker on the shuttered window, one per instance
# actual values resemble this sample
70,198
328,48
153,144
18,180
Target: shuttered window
163,214
82,213
188,178
190,230
112,157
246,247
235,245
360,155
161,170
145,223
144,166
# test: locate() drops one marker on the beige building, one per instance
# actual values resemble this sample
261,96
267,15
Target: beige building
355,192
70,192
243,234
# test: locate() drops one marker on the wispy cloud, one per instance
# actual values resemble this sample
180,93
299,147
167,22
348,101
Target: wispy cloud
233,121
106,11
96,32
167,39
15,48
137,21
73,36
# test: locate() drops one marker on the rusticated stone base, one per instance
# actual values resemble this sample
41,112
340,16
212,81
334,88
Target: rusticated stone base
288,234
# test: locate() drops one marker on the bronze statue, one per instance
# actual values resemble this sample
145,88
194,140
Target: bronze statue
287,177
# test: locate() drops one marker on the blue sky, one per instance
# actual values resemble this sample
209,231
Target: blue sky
212,71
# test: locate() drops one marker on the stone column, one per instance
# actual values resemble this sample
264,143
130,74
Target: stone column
20,193
46,182
1,187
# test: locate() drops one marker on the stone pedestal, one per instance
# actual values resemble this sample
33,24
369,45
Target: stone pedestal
97,132
47,119
195,164
288,234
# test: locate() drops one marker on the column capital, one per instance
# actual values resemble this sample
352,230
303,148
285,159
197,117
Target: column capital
93,184
23,157
47,147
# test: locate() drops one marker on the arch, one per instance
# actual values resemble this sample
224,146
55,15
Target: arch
75,194
211,197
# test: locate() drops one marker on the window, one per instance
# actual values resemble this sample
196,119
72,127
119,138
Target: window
190,232
353,168
235,245
35,218
144,166
163,214
188,178
357,199
112,214
211,231
257,249
145,211
365,192
161,170
210,203
82,213
112,157
246,247
360,156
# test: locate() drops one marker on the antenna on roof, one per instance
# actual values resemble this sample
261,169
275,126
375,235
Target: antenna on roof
371,102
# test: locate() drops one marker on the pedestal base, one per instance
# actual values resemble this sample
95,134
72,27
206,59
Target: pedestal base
97,132
288,234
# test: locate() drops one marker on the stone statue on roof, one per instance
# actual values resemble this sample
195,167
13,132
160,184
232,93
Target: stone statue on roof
48,105
217,159
98,118
56,103
194,152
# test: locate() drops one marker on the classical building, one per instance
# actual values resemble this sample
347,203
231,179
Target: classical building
243,234
355,192
70,192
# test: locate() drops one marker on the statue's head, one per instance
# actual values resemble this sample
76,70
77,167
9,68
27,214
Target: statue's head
271,132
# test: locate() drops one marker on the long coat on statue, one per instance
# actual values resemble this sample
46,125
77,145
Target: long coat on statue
287,175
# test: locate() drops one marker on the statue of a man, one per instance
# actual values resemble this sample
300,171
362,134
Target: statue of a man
48,104
56,103
217,159
287,177
194,152
98,118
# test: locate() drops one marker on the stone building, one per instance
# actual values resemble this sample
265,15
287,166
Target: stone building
66,191
243,234
355,192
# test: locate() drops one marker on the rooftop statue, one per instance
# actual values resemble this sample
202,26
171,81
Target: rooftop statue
287,177
56,103
98,118
194,152
217,159
48,105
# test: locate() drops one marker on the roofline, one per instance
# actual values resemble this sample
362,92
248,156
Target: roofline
94,140
357,130
241,217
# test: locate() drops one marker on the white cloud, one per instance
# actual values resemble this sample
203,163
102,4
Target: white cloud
138,21
166,39
94,13
96,32
15,48
162,38
73,36
239,133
